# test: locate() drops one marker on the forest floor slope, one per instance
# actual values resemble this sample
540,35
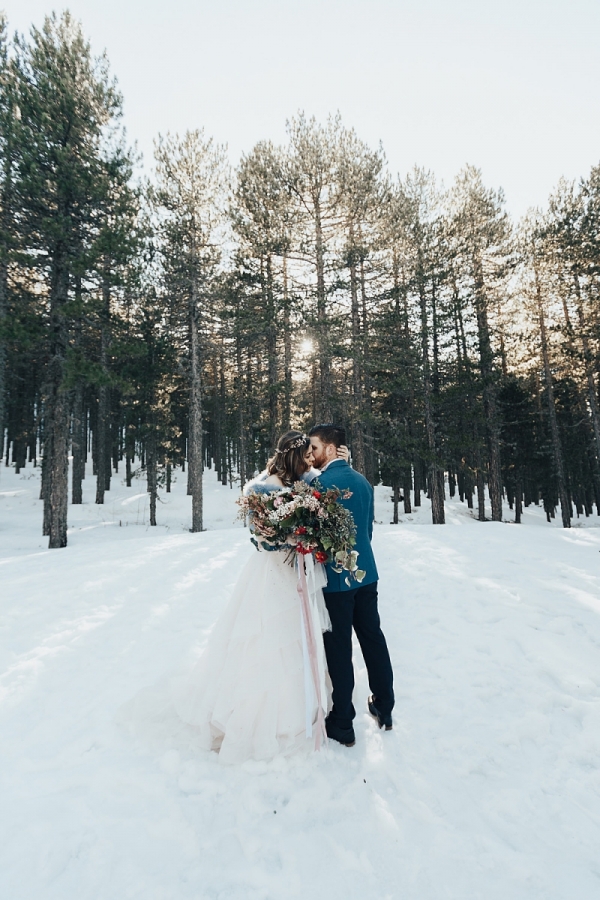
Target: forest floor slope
488,786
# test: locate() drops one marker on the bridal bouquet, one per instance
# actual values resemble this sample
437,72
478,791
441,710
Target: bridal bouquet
305,518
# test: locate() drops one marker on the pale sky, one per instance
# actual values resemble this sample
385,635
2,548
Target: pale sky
512,87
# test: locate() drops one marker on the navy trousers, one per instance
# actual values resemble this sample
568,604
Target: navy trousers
356,609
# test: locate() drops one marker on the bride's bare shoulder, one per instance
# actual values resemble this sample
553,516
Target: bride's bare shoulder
273,479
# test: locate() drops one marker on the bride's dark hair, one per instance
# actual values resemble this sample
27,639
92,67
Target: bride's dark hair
288,461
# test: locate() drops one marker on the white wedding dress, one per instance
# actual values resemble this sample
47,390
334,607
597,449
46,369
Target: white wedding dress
253,694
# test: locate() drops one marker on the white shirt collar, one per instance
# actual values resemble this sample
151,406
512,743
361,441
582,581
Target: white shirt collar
329,463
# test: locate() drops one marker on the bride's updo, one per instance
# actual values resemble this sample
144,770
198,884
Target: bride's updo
288,461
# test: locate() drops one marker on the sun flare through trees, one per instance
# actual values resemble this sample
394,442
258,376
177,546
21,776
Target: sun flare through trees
186,319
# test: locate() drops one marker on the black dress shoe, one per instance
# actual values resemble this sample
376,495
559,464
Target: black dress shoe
382,721
343,736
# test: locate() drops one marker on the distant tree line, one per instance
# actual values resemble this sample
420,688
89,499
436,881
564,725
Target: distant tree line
186,320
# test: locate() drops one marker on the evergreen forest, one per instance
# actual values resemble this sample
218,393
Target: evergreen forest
184,318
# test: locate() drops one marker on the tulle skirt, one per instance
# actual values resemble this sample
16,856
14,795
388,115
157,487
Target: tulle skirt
251,694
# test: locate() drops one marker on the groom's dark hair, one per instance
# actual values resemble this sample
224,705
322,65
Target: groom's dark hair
329,434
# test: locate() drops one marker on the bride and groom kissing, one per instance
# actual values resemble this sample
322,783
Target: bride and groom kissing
250,696
261,687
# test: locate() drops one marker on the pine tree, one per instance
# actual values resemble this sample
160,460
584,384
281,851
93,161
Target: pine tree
191,193
363,198
572,240
485,238
420,191
9,123
263,219
394,354
532,240
313,179
67,100
115,246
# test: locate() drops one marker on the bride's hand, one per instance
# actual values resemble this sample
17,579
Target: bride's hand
343,453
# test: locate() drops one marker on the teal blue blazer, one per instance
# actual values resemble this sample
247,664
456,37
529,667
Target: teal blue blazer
361,504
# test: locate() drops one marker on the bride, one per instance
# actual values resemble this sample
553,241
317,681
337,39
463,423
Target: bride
251,694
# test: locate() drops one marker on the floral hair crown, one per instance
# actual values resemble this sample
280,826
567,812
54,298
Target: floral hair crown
295,444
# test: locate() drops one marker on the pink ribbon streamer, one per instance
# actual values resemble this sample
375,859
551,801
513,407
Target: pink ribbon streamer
311,643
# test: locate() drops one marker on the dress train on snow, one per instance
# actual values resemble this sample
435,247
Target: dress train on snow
251,694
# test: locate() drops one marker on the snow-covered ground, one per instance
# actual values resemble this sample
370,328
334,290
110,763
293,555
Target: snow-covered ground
488,787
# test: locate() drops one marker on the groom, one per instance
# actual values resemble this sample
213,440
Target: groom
353,606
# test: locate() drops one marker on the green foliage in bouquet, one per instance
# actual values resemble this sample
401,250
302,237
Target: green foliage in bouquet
305,519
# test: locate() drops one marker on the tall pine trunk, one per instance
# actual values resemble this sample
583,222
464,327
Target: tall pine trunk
5,216
57,415
241,401
565,505
588,358
151,470
324,411
79,431
3,313
286,413
437,496
129,452
102,422
224,443
358,443
406,489
518,498
195,446
78,444
396,500
490,404
272,361
365,388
